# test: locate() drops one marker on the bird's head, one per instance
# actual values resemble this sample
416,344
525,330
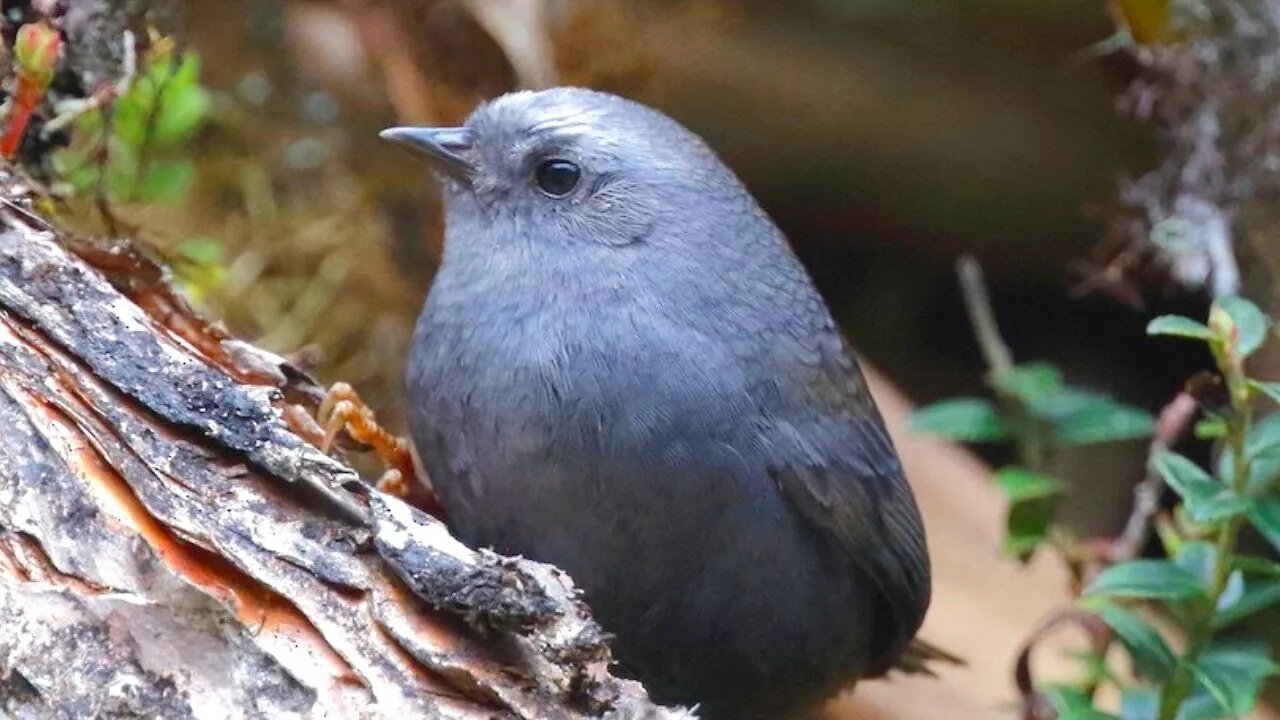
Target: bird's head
570,167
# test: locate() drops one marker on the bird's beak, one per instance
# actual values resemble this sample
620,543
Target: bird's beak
445,148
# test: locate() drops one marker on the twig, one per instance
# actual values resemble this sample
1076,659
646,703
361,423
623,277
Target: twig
68,111
1170,427
519,27
102,156
1034,444
1034,706
978,302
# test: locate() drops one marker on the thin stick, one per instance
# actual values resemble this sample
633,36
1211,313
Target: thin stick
978,302
1170,426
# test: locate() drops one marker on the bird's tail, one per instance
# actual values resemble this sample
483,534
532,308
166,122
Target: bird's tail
918,656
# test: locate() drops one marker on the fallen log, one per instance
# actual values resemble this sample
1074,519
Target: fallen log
171,547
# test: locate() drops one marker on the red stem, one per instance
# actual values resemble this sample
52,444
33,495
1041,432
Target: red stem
27,98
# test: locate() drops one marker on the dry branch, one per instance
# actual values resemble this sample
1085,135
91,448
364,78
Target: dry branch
169,547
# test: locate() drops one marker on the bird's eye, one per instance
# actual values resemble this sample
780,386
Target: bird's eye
557,178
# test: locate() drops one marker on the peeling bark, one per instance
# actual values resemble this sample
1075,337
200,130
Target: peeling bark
169,547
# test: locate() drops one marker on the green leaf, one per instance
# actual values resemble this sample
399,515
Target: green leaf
964,419
182,112
160,65
1167,533
165,105
1151,656
1103,420
1034,384
82,177
1146,580
1232,592
1086,713
1200,706
1019,484
1265,517
1264,437
1033,503
131,112
1263,471
1067,401
1069,703
1258,594
1178,326
1064,698
1256,566
202,250
1218,688
1228,679
1247,659
1210,428
1226,504
1197,557
1139,703
1206,500
1270,389
1078,417
1251,324
166,181
1027,527
1262,447
121,171
1022,544
1181,474
183,104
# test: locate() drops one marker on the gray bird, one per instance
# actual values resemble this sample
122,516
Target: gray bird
622,369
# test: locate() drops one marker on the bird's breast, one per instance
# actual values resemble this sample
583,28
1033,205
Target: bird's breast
569,400
626,449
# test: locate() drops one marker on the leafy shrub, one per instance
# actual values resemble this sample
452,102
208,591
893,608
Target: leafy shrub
1204,585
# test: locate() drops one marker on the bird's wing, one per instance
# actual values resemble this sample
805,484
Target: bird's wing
834,461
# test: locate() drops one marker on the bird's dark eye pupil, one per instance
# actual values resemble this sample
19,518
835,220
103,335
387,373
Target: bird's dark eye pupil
557,177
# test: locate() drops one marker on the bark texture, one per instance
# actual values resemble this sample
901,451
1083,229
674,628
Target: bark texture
169,547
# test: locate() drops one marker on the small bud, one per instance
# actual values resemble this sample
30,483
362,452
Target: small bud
160,48
37,50
1224,329
1208,389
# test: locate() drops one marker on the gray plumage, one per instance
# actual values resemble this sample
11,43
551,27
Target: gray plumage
639,383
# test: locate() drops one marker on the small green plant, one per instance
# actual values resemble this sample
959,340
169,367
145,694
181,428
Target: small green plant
130,142
1039,414
1205,585
36,52
133,147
